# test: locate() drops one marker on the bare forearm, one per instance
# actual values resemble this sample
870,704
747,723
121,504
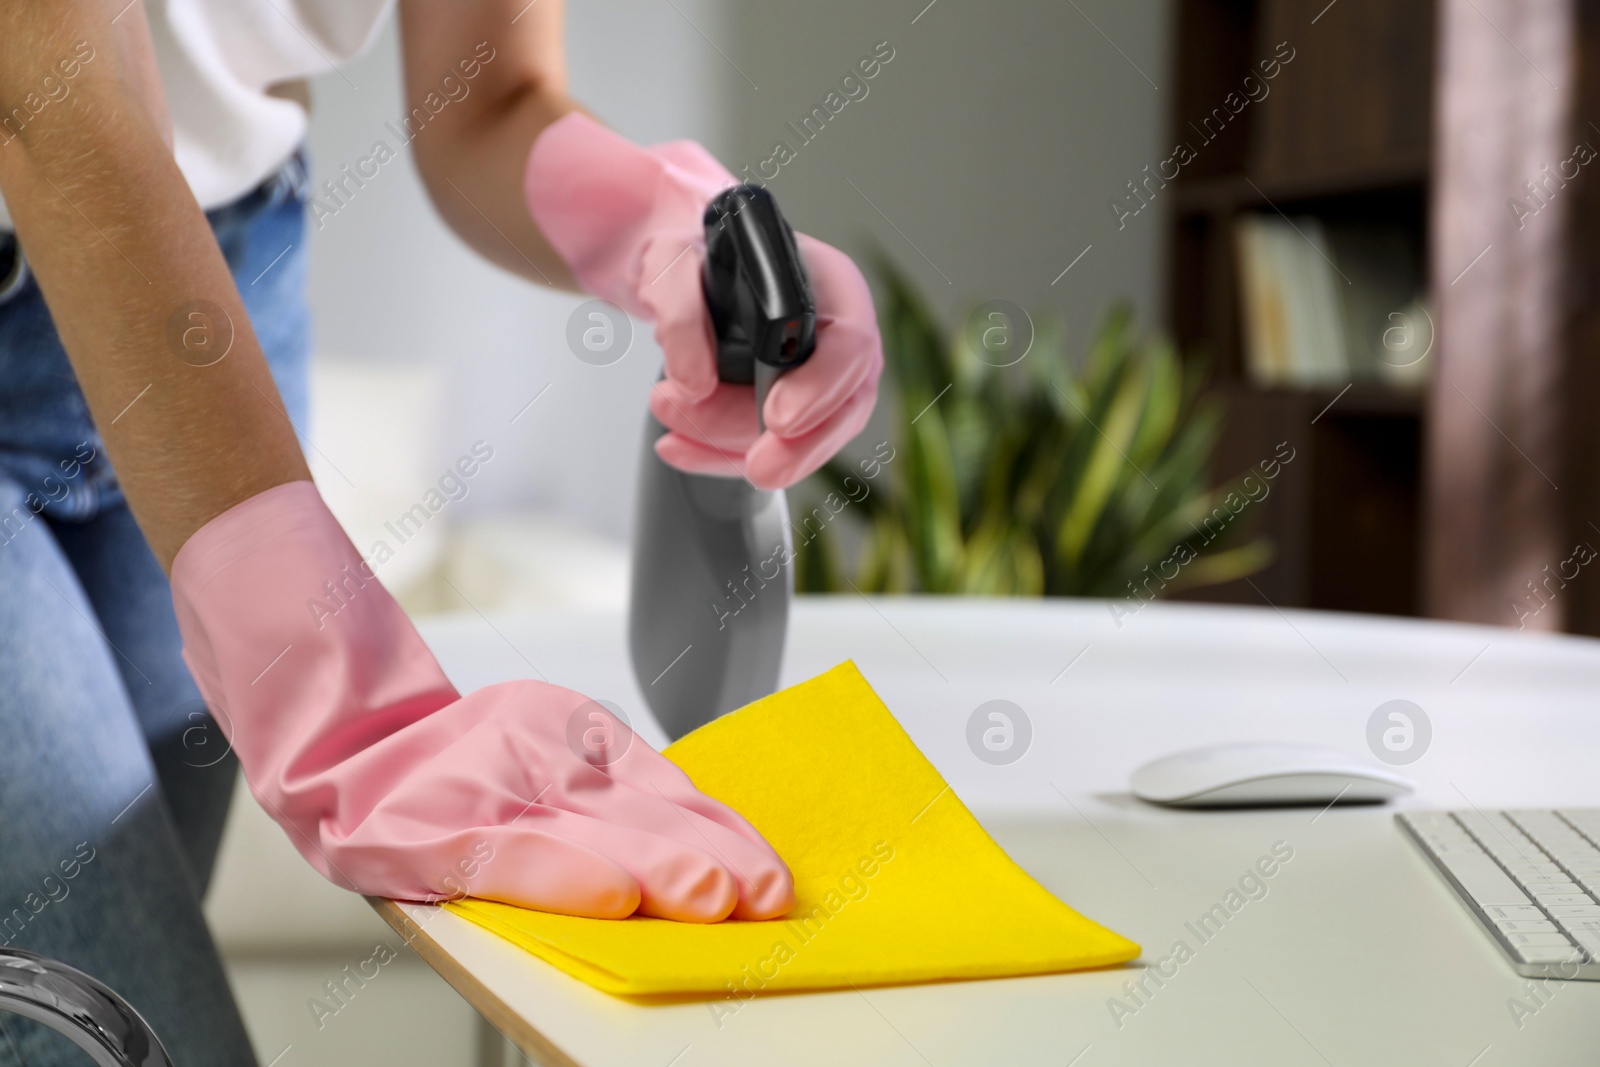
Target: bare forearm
476,186
138,289
472,153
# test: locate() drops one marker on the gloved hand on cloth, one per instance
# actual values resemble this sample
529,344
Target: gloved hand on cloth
627,220
390,782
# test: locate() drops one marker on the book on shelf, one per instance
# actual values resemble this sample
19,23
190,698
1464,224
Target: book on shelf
1328,302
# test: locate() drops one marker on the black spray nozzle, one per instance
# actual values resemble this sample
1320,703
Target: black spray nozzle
756,288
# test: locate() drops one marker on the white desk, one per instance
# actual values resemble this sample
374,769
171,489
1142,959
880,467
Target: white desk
1357,955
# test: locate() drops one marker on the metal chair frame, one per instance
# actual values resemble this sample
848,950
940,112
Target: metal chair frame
78,1007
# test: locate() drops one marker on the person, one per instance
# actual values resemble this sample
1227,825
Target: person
153,347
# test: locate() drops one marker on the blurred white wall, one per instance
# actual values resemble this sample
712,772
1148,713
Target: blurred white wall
990,142
987,147
391,285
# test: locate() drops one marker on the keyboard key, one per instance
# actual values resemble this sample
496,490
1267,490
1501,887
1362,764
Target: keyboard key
1527,926
1579,868
1487,884
1583,818
1499,912
1574,911
1506,857
1539,940
1549,899
1564,837
1512,851
1547,953
1544,825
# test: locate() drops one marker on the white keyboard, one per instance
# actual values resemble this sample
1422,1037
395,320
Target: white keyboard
1532,878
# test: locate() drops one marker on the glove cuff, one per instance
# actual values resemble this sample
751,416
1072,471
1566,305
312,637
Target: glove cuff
303,656
599,199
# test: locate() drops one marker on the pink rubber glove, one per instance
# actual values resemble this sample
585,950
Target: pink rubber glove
390,782
627,220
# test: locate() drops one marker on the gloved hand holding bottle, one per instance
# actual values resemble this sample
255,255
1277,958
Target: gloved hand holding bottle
628,222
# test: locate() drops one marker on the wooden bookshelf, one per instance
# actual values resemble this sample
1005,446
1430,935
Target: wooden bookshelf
1344,132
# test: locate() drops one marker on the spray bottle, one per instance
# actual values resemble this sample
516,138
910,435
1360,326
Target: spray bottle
712,574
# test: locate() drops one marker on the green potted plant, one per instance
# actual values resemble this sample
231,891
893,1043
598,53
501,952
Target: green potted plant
1034,478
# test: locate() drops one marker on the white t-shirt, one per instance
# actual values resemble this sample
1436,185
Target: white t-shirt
217,60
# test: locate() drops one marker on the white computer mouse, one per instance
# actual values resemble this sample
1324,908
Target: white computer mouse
1241,775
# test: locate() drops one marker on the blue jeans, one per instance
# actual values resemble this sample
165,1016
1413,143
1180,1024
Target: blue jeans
114,780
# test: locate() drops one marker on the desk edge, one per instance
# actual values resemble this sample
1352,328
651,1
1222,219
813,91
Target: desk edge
518,1030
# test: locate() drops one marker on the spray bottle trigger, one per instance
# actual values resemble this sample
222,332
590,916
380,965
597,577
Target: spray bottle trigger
757,291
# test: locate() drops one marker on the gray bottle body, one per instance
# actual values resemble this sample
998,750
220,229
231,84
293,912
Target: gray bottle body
711,588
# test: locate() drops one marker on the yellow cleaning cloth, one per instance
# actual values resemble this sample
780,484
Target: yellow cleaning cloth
895,881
